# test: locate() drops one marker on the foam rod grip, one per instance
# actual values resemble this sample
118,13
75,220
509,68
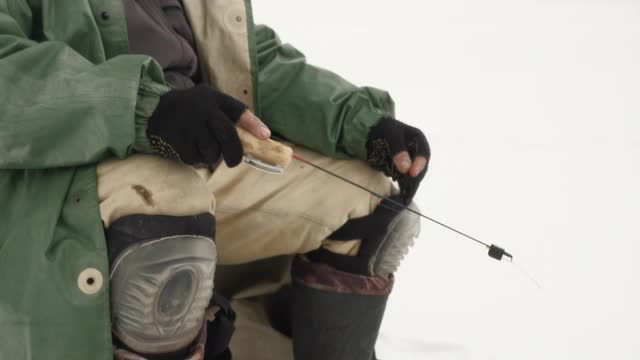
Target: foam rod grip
268,151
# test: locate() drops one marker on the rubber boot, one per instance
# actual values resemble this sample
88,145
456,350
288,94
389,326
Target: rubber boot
336,315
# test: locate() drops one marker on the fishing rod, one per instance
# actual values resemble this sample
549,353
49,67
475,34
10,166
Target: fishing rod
273,157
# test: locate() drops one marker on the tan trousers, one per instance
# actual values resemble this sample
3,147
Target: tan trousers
258,216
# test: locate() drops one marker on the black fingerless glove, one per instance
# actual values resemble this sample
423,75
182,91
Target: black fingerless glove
390,137
196,126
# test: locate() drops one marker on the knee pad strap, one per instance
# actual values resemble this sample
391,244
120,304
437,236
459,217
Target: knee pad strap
386,236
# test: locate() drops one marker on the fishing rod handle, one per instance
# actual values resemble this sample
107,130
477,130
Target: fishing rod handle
268,151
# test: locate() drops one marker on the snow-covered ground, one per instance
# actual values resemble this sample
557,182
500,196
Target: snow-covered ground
532,109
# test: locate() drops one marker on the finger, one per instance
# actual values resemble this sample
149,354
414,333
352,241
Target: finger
231,106
419,163
223,130
418,141
208,148
254,125
402,161
409,187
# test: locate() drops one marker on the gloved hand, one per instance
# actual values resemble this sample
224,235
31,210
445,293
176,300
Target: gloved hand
400,151
196,126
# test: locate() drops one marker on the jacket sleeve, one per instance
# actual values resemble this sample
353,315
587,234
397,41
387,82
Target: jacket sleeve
312,106
59,109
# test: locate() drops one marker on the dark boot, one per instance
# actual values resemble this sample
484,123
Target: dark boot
336,315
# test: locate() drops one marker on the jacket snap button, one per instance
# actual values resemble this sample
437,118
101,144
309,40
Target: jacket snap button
105,15
90,281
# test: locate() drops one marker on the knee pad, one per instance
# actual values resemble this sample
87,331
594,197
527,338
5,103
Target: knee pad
399,236
161,279
386,234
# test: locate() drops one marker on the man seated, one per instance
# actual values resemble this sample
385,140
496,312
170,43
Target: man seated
149,94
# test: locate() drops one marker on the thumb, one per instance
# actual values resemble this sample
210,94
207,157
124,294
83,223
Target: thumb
227,136
253,125
402,161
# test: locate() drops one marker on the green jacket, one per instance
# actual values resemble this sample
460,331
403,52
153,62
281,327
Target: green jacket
71,96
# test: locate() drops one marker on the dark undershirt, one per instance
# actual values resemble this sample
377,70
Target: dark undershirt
159,28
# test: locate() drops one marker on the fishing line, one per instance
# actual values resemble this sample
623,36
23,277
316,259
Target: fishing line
519,267
495,252
526,273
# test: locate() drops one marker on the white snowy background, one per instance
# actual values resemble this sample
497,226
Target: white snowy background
532,109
